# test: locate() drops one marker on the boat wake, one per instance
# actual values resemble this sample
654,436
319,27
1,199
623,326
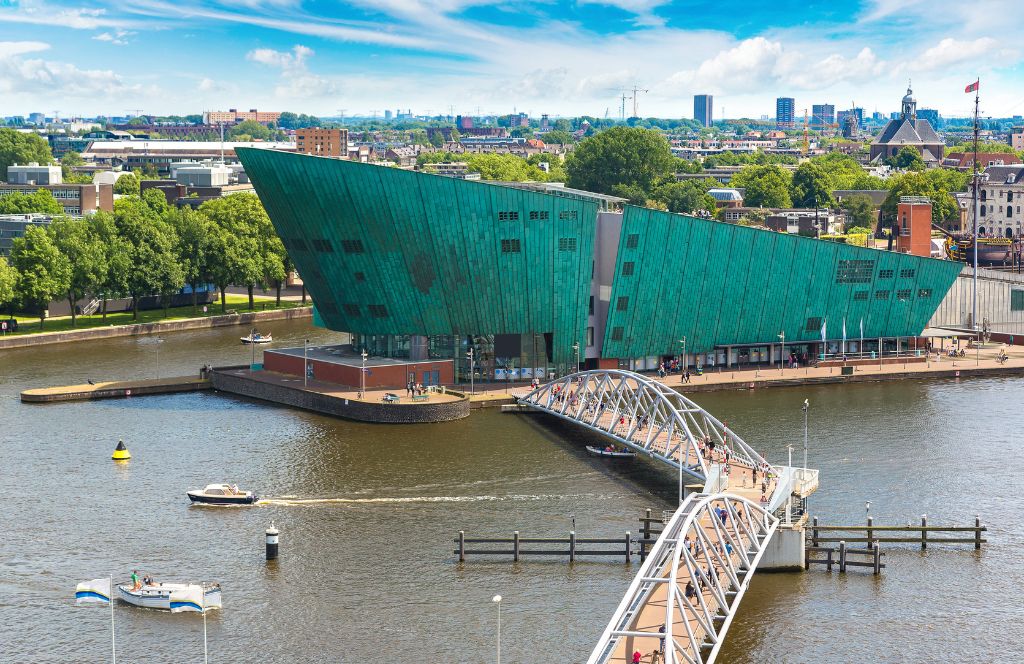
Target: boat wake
300,502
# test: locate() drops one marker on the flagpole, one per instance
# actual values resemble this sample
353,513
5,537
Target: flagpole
206,657
974,314
113,638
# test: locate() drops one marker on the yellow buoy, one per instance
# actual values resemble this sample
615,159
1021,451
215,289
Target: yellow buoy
120,452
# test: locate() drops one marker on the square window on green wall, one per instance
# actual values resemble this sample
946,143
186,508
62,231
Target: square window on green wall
1016,300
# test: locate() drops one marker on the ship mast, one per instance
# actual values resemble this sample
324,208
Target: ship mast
974,314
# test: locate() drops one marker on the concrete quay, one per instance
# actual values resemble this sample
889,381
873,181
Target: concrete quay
115,389
340,400
142,329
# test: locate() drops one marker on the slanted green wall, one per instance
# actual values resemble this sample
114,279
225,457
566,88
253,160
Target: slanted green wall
719,284
388,251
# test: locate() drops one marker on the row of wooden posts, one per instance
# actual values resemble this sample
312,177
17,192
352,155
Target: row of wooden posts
871,533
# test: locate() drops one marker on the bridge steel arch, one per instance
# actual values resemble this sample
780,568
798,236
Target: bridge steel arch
691,583
646,416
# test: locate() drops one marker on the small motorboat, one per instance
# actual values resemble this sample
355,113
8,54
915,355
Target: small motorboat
602,452
257,338
158,595
222,494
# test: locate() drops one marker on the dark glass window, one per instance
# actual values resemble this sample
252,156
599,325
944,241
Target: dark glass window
627,268
510,246
378,311
622,303
352,246
351,310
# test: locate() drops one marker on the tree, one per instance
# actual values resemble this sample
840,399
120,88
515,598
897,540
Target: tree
41,201
85,254
44,273
811,187
685,197
116,254
67,162
558,136
764,186
243,217
860,211
628,156
944,207
436,139
156,200
127,184
250,128
288,120
8,284
19,148
907,159
152,264
193,248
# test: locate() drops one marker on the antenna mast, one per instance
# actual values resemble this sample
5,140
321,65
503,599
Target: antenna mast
977,176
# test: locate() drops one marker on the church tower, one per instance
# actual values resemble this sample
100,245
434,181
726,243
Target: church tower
909,106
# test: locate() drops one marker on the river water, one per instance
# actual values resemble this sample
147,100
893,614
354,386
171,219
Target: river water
367,514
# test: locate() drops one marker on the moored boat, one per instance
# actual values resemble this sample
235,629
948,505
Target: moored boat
221,494
609,454
159,595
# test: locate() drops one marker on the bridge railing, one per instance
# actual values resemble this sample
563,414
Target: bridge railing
685,594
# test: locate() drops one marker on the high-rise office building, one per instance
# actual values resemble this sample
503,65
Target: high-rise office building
702,109
823,116
784,113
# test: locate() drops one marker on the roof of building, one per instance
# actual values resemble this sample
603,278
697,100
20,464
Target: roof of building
725,194
1001,174
965,159
183,146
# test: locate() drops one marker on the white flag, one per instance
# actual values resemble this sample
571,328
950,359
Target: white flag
189,598
862,327
95,591
824,323
844,333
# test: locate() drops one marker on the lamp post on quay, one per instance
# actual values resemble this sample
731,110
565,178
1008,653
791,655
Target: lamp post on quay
497,600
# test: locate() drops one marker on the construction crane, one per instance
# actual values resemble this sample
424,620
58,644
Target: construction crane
136,111
341,115
606,109
637,89
623,97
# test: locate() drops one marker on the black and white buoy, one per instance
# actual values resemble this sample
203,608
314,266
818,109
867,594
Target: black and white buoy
272,541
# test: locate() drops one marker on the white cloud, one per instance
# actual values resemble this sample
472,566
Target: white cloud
11,49
118,37
951,51
283,60
34,76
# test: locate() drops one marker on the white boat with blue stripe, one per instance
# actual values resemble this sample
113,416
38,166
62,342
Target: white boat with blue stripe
159,596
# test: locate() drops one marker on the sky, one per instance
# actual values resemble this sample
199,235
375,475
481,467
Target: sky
561,57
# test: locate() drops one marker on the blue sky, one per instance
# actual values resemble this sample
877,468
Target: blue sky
562,57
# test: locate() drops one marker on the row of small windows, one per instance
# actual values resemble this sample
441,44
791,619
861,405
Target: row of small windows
376,310
538,215
514,245
854,271
985,210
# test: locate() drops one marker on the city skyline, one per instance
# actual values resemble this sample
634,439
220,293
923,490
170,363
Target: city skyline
470,57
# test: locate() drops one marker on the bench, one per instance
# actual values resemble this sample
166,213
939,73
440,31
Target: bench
421,397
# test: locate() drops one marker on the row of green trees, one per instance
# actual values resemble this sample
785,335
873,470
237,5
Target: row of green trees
145,247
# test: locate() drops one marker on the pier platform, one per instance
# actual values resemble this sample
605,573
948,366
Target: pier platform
115,389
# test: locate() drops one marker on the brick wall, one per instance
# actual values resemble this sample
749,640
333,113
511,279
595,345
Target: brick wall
395,375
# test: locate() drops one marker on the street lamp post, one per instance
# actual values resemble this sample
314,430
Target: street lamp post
782,352
683,368
807,405
305,362
576,349
362,375
497,600
252,343
472,387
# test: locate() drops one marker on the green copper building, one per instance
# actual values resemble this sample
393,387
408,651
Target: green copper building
418,265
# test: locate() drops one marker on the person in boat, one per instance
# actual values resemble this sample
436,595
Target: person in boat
136,583
147,581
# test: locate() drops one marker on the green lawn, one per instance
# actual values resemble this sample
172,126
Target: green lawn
30,324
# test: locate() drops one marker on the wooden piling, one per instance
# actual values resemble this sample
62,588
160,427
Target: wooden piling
830,560
814,534
871,521
878,561
462,546
627,546
977,532
572,545
924,532
842,557
515,546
